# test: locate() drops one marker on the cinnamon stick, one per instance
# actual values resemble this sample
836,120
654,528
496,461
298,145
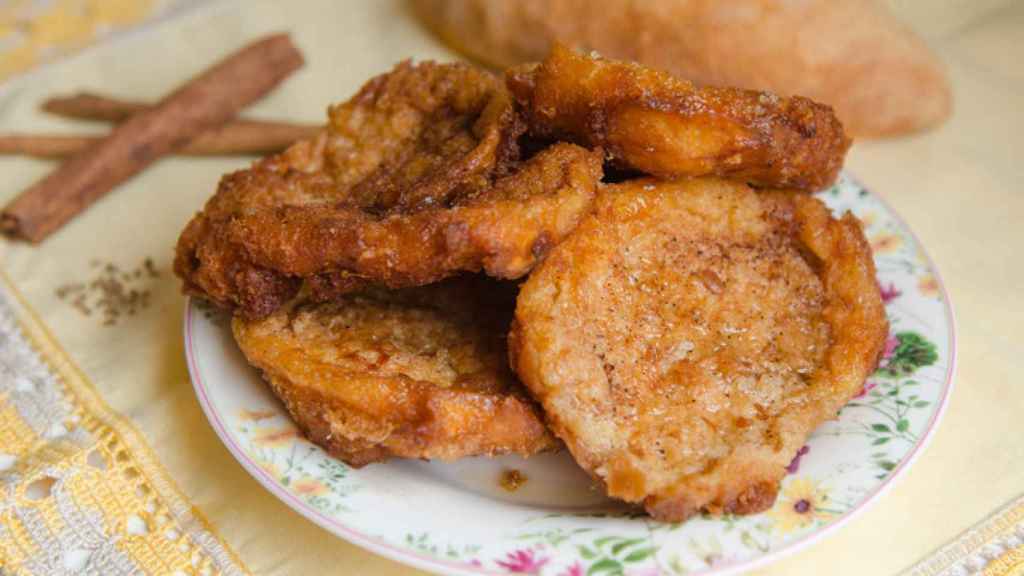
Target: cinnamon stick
43,145
238,136
208,100
91,106
229,139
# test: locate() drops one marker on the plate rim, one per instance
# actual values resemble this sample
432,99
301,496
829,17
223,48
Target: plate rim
433,564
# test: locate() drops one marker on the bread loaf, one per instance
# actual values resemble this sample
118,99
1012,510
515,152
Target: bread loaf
854,55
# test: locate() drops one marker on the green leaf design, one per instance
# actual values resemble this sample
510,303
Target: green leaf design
749,541
676,565
625,544
641,554
880,428
921,403
605,566
912,352
887,465
880,441
587,553
604,540
902,425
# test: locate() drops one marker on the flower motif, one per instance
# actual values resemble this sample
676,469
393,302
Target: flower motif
246,415
889,293
522,562
575,570
794,465
904,353
891,343
886,242
868,387
928,286
309,487
273,437
803,502
270,468
868,219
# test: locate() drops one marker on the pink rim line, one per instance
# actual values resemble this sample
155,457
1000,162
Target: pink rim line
432,563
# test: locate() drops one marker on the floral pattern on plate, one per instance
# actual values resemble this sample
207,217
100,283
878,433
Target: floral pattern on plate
451,522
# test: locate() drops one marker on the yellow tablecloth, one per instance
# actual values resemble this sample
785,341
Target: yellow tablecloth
956,187
33,32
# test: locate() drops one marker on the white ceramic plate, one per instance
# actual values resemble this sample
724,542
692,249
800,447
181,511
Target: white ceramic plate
455,518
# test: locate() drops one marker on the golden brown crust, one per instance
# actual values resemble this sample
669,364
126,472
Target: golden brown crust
660,125
414,373
689,336
854,55
503,230
417,177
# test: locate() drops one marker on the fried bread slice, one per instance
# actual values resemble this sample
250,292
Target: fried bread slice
414,373
650,121
416,178
687,338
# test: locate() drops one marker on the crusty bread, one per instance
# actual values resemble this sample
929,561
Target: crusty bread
854,55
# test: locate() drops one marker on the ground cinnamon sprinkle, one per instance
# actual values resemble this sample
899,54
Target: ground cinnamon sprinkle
512,479
112,293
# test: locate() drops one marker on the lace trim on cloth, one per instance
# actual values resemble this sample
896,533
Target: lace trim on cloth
36,32
994,547
82,491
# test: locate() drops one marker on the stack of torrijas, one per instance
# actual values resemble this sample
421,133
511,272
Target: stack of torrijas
689,315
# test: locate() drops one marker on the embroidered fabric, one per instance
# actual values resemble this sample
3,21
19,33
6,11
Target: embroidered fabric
34,32
82,492
993,547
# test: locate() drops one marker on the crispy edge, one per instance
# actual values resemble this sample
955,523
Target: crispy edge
648,120
470,419
504,231
841,255
213,266
448,430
